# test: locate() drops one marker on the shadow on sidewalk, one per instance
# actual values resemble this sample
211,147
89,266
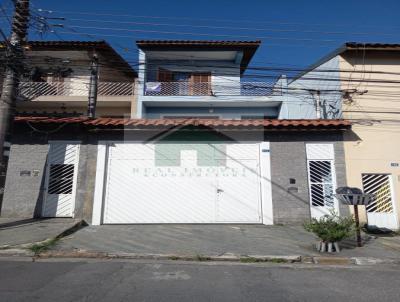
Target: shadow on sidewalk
18,223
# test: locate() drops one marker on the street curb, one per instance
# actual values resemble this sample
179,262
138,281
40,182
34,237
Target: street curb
290,259
333,260
16,252
224,257
374,261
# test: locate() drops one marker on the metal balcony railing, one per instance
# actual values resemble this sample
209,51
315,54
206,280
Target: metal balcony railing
215,89
31,90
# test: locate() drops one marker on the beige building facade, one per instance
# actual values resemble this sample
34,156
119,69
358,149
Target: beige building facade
361,83
373,153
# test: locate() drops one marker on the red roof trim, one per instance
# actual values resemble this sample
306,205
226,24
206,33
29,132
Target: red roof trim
196,43
156,123
372,46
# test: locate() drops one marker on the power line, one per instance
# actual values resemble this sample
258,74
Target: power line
263,76
259,68
342,79
91,13
231,66
232,27
137,37
5,15
203,34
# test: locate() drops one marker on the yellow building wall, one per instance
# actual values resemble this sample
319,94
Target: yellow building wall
373,146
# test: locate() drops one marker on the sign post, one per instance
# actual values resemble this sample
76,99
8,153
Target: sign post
355,197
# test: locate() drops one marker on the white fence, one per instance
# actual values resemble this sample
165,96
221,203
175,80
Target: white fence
186,88
31,90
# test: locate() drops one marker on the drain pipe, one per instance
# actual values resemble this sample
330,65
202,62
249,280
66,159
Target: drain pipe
93,86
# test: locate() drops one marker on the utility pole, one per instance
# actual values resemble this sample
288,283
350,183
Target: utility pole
19,29
94,76
318,104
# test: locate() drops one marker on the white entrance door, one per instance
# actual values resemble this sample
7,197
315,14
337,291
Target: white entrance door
381,212
321,179
182,183
238,192
61,176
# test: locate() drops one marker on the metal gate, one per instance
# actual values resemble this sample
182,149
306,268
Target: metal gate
321,179
61,176
381,211
182,183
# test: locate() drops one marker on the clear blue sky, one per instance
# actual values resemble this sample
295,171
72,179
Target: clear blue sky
293,32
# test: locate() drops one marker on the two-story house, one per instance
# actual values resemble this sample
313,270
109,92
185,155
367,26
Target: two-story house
202,79
56,79
204,147
360,82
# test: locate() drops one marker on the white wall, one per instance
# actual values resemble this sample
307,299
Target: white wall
221,112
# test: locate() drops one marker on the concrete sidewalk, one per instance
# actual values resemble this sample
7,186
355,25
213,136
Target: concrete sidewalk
183,240
20,232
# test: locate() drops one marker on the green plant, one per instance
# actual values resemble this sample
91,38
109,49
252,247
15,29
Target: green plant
43,246
332,227
249,260
202,258
277,260
256,260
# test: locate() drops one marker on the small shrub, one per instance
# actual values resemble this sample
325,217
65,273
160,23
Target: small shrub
202,258
44,246
278,260
331,228
249,260
257,260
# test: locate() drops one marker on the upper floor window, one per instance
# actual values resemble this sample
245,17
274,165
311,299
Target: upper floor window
176,83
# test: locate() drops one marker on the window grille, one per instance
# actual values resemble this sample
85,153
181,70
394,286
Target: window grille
321,183
61,178
379,186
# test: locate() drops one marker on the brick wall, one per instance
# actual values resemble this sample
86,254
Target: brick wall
288,160
23,192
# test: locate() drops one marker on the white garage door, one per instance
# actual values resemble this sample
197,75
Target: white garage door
182,183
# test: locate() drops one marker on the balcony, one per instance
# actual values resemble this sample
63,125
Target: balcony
34,90
185,88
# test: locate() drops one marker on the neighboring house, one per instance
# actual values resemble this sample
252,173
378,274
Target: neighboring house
57,76
360,82
204,148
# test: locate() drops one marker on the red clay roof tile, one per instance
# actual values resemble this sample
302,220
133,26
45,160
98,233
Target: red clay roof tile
155,123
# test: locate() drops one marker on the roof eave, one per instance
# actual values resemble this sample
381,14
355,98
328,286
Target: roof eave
348,46
100,45
249,48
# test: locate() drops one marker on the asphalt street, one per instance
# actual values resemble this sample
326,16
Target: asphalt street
112,280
